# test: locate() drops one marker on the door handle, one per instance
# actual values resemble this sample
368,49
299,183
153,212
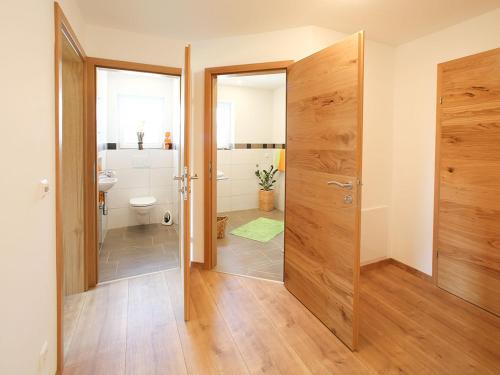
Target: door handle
347,185
195,177
178,178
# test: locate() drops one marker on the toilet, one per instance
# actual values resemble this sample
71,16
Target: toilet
142,207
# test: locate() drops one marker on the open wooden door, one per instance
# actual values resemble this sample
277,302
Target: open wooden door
323,184
185,178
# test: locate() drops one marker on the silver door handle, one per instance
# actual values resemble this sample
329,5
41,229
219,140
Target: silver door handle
347,185
178,178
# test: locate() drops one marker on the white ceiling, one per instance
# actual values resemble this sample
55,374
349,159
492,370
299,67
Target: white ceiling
388,21
260,81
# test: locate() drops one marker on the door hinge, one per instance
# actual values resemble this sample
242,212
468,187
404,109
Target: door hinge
441,100
209,169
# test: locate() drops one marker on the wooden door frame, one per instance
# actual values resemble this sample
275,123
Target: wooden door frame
62,29
92,253
210,146
437,176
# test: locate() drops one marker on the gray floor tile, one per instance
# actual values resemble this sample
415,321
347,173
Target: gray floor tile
242,256
137,250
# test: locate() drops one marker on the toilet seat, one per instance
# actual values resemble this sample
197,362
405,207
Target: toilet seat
142,201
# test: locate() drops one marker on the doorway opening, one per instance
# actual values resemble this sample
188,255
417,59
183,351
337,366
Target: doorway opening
250,126
137,130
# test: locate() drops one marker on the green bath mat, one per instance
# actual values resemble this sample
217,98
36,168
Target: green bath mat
261,229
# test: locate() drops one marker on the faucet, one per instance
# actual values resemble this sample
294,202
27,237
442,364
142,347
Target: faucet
107,173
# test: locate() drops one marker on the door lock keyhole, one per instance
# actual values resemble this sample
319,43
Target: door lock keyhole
348,199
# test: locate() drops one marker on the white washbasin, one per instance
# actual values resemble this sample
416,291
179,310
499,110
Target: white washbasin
221,176
106,183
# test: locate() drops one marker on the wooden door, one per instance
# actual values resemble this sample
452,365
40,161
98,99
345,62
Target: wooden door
467,221
72,169
323,190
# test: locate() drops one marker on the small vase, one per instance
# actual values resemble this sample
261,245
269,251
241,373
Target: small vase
266,200
139,145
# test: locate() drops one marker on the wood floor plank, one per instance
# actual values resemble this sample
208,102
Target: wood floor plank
153,344
261,345
206,341
318,348
241,325
479,351
99,341
381,339
73,306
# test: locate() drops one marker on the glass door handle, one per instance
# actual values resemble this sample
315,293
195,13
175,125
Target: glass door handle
347,185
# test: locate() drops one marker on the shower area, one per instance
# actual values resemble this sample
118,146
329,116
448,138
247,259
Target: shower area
138,126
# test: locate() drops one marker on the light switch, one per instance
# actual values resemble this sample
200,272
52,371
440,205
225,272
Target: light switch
44,187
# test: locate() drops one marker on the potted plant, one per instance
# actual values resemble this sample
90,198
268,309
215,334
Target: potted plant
266,183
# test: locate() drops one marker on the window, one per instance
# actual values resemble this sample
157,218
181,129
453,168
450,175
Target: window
225,127
146,113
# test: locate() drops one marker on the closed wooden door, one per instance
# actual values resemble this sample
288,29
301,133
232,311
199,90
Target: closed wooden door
467,221
323,190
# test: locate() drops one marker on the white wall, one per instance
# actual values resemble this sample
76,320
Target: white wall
253,111
279,115
295,44
414,131
129,46
27,221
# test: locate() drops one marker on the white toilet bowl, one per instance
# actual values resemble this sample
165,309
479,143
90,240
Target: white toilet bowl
142,207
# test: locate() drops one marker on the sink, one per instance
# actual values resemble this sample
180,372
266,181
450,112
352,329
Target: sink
106,183
221,176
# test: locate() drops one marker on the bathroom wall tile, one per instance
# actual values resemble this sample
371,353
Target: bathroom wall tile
132,178
121,217
220,157
244,202
244,156
224,157
224,188
242,171
119,159
161,158
224,204
120,198
141,159
161,177
163,195
247,186
265,158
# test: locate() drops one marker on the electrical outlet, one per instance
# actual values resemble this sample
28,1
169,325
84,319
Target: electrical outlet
42,357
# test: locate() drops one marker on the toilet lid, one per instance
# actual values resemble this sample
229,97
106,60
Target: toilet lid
142,201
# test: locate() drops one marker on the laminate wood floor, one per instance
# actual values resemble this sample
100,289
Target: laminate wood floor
246,326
